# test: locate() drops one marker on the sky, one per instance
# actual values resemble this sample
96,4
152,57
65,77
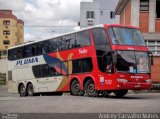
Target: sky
45,18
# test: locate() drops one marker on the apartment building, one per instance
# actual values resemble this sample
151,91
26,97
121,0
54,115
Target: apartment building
144,14
98,12
11,31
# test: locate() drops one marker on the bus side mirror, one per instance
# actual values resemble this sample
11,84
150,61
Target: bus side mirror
151,58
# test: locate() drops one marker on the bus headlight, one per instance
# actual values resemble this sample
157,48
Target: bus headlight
122,80
148,81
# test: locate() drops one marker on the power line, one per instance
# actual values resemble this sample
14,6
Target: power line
37,26
50,26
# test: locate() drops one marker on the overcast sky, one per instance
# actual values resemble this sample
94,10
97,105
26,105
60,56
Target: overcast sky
44,13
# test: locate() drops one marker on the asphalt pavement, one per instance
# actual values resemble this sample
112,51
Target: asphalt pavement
131,103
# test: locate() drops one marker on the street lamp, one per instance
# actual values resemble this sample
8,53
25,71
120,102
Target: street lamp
52,33
61,26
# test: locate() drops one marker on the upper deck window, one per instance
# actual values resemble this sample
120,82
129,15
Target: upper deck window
100,39
126,36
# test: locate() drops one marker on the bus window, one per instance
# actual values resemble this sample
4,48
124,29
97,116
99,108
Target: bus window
48,46
126,36
19,52
34,48
68,41
102,46
59,43
27,51
47,70
63,43
101,40
82,38
54,45
72,42
86,65
125,61
82,65
39,48
11,54
76,66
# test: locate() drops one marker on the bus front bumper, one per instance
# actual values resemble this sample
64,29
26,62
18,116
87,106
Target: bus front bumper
134,86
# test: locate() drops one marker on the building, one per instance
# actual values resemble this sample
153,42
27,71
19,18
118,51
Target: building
144,14
98,12
11,31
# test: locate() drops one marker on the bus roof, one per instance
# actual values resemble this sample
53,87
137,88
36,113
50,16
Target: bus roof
95,26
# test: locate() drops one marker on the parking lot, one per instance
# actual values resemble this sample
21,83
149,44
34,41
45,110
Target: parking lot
131,103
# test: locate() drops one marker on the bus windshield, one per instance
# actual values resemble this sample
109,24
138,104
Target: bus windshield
126,36
132,61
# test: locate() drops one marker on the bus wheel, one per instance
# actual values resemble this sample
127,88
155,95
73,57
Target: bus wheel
120,93
30,90
90,89
22,90
75,89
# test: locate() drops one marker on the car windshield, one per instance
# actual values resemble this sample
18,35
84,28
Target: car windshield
132,61
126,36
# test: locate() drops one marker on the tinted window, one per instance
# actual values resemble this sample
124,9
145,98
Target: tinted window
64,43
82,65
11,54
86,65
34,49
100,39
72,41
76,66
105,62
82,39
46,70
27,51
39,48
102,46
68,41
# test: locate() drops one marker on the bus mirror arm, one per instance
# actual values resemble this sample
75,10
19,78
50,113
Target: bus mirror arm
151,58
114,56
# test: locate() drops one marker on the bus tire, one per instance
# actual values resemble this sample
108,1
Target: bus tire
30,89
22,90
90,89
120,93
75,88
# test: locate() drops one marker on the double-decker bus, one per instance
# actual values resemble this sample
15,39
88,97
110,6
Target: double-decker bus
99,60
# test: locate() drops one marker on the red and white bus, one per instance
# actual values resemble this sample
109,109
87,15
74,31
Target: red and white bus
97,60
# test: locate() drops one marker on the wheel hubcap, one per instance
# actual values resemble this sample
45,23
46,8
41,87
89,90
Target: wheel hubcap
91,88
77,88
22,90
30,91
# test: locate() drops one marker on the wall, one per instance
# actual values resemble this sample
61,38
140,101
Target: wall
88,6
97,6
107,6
144,22
125,17
3,65
155,75
20,33
158,25
12,37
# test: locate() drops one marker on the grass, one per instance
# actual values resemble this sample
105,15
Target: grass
2,79
2,82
